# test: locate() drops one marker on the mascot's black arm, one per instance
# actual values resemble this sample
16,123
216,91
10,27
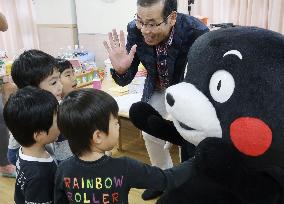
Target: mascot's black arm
220,176
221,162
147,119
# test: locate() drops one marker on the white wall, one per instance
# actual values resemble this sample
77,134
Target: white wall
101,16
55,11
97,17
183,6
56,23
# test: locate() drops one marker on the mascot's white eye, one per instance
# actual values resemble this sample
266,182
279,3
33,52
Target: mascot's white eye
222,85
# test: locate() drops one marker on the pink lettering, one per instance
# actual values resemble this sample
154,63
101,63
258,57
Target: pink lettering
118,181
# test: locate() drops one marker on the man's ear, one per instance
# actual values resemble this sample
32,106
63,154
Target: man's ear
39,136
173,18
97,137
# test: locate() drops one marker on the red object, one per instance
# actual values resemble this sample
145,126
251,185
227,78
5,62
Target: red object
251,136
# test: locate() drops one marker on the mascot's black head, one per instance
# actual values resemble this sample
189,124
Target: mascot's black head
234,89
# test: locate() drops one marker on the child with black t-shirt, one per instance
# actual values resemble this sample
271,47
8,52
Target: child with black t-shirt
68,80
30,114
88,118
39,69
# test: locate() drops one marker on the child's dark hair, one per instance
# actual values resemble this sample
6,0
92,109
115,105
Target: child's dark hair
32,67
81,113
28,111
63,64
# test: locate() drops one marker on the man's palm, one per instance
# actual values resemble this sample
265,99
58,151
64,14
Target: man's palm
120,59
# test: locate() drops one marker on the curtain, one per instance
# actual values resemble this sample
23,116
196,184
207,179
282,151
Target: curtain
261,13
22,32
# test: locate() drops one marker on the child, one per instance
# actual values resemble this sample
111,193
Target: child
39,69
68,80
30,115
3,23
6,169
88,118
67,76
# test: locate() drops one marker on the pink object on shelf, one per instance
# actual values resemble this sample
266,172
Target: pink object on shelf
97,84
75,63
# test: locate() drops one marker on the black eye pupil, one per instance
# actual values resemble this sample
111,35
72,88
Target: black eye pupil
219,85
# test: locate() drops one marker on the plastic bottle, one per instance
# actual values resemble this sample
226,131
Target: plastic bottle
108,67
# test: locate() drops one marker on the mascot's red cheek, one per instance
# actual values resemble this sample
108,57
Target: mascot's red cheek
251,136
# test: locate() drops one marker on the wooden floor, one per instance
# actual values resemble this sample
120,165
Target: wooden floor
133,146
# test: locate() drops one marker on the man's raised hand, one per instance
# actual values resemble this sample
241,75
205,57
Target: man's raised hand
120,59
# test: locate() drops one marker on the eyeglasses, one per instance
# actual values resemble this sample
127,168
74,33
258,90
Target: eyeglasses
140,23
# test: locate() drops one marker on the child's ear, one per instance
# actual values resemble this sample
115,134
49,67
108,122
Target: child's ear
39,136
97,137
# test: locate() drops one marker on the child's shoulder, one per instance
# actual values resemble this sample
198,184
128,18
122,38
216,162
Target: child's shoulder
31,162
126,161
40,168
67,162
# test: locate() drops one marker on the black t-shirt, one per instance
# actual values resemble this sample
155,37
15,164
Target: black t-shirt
108,180
35,180
62,150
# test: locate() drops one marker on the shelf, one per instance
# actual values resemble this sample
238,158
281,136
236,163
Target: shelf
84,74
84,84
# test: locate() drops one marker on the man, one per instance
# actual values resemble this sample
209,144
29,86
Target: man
159,38
6,169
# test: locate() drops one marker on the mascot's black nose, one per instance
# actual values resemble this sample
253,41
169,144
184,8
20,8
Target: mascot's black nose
170,99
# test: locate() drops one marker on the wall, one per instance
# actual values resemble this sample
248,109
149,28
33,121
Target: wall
57,24
94,43
55,12
100,16
92,19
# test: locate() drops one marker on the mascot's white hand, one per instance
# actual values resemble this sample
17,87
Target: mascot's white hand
168,145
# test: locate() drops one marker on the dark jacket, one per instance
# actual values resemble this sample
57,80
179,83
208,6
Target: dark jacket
187,29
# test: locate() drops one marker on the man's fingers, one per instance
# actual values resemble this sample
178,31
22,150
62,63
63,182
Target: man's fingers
111,40
122,39
115,36
106,46
132,51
